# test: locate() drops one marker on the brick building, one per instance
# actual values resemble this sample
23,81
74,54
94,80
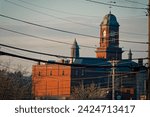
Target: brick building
50,80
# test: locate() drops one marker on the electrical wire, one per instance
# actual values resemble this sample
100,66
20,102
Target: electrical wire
135,2
137,50
59,30
60,56
41,53
93,77
26,50
60,63
56,17
120,6
55,41
42,38
58,11
132,33
67,19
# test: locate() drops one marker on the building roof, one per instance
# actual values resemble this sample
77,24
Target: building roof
97,62
91,61
122,65
110,20
126,66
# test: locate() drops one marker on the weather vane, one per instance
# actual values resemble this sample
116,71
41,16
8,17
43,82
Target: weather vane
111,4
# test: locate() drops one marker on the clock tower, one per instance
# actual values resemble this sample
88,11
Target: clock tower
109,39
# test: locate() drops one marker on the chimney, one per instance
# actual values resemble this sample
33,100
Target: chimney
140,62
130,55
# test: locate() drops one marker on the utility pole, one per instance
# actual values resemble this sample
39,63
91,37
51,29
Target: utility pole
148,80
113,79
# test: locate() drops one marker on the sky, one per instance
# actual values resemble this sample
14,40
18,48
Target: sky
78,16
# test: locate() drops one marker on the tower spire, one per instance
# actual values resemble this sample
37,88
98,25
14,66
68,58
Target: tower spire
75,50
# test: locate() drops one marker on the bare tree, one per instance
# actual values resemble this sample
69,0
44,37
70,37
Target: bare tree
14,85
86,92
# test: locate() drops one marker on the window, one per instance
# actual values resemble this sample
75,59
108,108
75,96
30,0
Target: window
51,73
128,91
76,72
83,72
39,74
102,40
63,73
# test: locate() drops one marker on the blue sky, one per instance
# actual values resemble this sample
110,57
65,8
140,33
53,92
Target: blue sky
66,15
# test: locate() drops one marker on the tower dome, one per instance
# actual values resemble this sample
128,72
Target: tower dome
110,20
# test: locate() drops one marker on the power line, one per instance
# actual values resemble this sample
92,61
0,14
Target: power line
121,6
59,30
121,74
132,33
26,50
137,50
45,39
58,11
135,2
62,18
74,64
22,57
41,53
59,56
54,55
134,42
59,63
42,38
10,50
56,17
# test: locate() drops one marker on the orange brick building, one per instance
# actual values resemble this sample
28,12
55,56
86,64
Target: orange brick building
51,80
